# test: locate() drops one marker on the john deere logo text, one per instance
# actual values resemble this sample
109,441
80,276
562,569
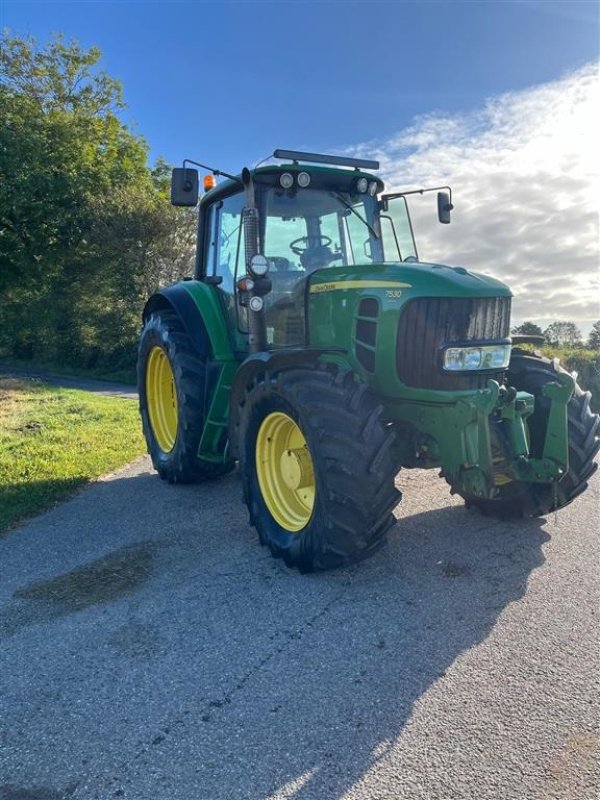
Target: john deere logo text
342,285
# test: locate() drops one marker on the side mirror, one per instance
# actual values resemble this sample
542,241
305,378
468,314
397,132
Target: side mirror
184,186
444,207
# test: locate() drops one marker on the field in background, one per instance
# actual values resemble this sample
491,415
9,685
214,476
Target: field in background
52,441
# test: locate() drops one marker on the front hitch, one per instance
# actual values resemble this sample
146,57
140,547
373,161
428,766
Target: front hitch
554,462
514,407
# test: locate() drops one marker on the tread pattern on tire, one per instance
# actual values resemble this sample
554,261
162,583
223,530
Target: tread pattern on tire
354,470
529,372
181,465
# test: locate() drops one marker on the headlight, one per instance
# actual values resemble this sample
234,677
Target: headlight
489,356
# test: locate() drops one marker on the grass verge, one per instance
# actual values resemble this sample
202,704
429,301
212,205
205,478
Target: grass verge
52,441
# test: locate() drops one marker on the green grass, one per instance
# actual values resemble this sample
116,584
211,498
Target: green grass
52,441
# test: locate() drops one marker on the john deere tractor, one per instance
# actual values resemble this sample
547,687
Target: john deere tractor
317,350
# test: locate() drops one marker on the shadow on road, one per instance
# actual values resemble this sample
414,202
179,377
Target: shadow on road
268,679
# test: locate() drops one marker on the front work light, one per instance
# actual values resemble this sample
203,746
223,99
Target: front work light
362,184
286,180
259,265
303,179
489,356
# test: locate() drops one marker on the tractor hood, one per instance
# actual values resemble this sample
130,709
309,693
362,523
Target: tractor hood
407,280
374,312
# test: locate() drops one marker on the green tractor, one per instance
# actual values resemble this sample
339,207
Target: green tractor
314,348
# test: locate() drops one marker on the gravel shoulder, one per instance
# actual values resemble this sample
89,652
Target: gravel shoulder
150,648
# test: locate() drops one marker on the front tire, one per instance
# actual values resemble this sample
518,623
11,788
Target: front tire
529,372
171,387
316,468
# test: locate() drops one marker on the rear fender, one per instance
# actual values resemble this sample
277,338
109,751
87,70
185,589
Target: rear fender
197,305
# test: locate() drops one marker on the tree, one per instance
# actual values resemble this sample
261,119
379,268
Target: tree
593,341
527,329
86,228
563,334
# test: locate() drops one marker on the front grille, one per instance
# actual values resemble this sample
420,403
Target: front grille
428,323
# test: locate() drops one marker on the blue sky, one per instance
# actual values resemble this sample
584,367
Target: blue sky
441,92
229,81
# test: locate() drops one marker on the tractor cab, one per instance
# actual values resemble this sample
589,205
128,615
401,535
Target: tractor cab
305,218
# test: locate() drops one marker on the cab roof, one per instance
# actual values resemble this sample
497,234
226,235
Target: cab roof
341,178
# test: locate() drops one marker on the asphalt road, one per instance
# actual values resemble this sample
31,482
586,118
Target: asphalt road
152,650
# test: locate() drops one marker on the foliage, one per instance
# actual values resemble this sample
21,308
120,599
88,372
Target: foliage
54,440
593,341
527,329
86,228
563,334
586,363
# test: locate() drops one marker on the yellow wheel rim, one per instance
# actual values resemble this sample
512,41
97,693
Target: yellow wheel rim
161,395
285,471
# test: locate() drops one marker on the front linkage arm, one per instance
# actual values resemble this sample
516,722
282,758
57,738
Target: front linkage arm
555,454
514,408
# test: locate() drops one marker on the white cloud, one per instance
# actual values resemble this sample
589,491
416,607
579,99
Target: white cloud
524,171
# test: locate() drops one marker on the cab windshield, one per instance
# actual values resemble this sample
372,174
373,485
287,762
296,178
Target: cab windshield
314,228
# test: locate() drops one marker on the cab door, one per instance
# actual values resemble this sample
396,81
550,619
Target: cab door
225,262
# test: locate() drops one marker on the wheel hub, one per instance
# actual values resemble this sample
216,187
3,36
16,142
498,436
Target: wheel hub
296,468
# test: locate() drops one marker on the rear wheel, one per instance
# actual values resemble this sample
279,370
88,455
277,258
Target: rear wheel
316,468
171,386
516,499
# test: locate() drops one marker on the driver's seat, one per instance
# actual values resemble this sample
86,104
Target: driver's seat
316,257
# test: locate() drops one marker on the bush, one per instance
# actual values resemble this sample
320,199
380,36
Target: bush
586,363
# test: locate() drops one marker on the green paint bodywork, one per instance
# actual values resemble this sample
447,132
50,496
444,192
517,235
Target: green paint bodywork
207,300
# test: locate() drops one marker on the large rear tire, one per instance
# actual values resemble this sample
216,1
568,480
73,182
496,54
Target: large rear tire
171,386
316,467
529,372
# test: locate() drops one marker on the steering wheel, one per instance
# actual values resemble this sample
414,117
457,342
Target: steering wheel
324,241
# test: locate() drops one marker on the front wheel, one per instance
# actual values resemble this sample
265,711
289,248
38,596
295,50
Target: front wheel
315,462
517,499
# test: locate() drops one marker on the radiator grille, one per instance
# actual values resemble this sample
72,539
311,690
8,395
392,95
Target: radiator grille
428,323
